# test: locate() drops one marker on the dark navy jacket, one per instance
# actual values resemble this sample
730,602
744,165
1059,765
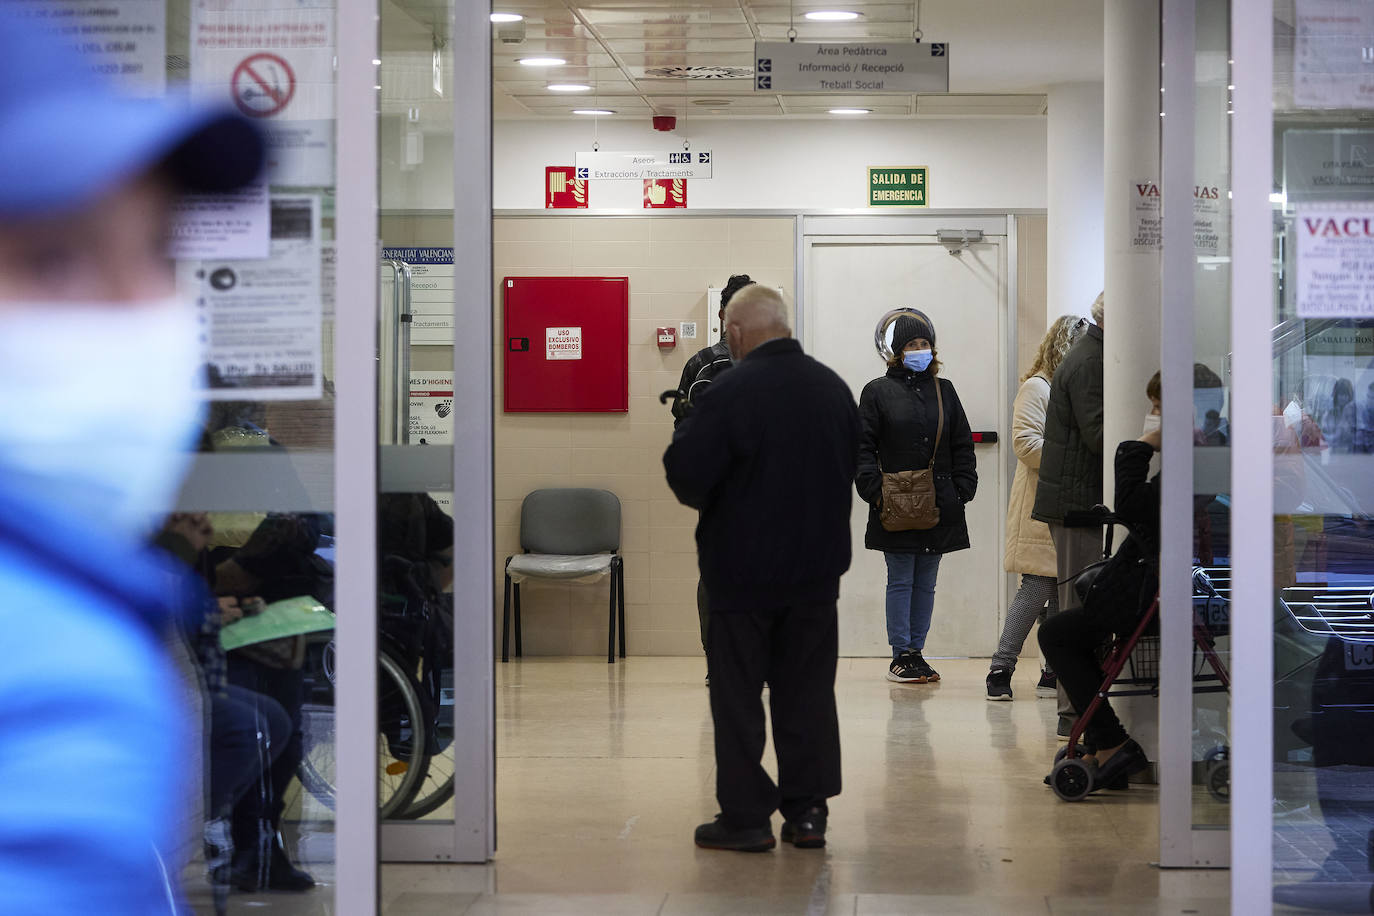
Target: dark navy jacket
768,456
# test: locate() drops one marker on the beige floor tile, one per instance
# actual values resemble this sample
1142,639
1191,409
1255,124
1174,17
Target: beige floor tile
931,905
744,905
566,905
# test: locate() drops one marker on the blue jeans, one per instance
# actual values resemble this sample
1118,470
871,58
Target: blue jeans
910,598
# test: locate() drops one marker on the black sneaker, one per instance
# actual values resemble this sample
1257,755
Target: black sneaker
999,684
923,669
807,831
903,669
720,835
1048,687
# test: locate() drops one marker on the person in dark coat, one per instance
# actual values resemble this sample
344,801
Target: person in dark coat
702,369
767,457
900,425
1071,469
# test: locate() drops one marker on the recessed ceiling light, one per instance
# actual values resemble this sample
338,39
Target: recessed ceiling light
593,111
832,15
507,17
568,87
844,111
541,61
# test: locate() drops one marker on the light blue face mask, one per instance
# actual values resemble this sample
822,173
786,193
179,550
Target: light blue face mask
918,360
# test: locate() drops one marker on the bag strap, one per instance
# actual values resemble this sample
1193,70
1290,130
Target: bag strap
940,426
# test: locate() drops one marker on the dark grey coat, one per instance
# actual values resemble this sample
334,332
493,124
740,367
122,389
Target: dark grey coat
1071,463
899,425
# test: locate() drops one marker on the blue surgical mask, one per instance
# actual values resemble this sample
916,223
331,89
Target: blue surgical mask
918,360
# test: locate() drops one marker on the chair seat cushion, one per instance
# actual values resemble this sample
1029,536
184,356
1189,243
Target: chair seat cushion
557,566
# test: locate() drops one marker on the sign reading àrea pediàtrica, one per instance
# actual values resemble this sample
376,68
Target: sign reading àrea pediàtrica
898,187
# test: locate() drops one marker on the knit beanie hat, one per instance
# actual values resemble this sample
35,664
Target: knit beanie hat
909,327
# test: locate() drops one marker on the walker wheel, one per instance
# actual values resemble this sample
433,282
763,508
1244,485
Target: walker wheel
1071,780
1219,780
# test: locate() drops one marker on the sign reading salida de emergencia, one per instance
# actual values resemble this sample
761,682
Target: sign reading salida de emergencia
1336,261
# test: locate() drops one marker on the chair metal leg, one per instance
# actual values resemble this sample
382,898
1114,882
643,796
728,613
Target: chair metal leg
620,597
505,622
519,643
610,626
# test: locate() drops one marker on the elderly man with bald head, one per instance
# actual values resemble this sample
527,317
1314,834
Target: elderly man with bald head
768,457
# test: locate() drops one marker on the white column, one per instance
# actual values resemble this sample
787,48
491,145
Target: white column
1131,326
1074,189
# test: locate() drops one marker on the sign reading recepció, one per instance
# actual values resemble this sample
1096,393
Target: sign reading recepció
898,187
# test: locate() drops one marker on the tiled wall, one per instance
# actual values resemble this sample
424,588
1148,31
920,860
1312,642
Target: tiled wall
670,262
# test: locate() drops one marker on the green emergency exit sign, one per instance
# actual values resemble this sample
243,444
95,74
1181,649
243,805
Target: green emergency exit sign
898,187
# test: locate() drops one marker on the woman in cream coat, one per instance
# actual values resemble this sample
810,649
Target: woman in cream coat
1029,550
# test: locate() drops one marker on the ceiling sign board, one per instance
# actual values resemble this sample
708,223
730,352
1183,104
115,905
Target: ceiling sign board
786,66
644,166
898,187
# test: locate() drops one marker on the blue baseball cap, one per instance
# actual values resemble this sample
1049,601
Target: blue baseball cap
67,135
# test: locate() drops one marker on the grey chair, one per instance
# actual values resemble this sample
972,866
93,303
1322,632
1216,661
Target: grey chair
569,535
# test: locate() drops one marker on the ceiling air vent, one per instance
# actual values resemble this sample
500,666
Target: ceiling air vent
699,73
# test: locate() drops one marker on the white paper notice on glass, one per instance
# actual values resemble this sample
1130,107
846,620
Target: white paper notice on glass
1331,68
260,319
431,293
232,225
124,40
563,343
1335,261
431,408
1146,223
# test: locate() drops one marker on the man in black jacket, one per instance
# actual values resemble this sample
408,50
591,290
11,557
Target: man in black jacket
768,457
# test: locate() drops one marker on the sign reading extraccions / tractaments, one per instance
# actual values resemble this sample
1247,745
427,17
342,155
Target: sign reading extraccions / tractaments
1335,260
898,187
125,40
788,66
563,343
643,166
260,318
431,292
273,60
1331,48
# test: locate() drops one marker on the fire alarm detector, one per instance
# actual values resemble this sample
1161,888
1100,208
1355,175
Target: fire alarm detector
667,338
665,122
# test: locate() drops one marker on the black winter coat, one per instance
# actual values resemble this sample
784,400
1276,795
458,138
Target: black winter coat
767,455
899,425
1071,462
1128,583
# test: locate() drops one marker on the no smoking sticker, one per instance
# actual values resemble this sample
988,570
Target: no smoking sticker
263,85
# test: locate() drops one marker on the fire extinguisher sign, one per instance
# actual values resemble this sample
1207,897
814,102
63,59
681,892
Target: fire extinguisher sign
563,343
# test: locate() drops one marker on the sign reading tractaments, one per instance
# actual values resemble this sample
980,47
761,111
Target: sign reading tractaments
1335,261
643,166
786,66
563,343
898,187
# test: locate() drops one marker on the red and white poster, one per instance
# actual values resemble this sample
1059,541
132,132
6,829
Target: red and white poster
563,190
665,193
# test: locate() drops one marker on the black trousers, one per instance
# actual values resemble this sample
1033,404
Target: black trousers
792,649
1069,641
288,689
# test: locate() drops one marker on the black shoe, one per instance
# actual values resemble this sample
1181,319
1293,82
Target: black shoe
1116,772
903,669
999,684
246,874
807,831
926,673
1048,686
720,835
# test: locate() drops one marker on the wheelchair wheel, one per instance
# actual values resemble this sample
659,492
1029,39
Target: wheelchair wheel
1071,779
1219,780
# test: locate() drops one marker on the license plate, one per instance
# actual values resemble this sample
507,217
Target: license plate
1359,656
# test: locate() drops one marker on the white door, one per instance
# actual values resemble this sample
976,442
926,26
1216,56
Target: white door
850,283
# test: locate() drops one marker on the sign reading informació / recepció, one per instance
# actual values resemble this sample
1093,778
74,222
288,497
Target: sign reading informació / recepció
898,187
794,66
638,166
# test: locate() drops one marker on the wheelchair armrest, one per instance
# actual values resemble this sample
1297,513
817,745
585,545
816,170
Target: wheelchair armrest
1095,517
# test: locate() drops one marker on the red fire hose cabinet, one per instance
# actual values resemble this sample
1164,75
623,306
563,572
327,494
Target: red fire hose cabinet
567,344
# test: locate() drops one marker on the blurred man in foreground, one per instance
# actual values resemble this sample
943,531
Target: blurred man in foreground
97,410
768,456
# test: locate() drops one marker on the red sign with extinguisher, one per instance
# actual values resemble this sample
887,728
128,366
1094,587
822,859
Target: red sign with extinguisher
567,344
563,191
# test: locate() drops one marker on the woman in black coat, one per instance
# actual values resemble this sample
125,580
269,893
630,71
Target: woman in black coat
898,412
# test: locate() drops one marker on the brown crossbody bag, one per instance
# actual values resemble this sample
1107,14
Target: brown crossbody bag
909,496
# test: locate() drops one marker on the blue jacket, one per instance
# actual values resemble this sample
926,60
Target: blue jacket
93,771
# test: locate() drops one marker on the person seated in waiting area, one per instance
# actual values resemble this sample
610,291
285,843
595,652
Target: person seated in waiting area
1124,588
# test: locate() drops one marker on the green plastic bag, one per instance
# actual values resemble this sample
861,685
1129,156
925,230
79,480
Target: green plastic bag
292,617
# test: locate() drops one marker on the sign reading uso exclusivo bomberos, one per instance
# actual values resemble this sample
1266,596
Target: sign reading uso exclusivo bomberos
617,166
1335,261
898,187
795,66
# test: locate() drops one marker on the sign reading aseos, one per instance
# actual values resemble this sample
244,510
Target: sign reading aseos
787,66
643,166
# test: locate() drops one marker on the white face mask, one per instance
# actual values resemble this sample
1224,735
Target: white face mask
98,407
1152,424
1292,414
